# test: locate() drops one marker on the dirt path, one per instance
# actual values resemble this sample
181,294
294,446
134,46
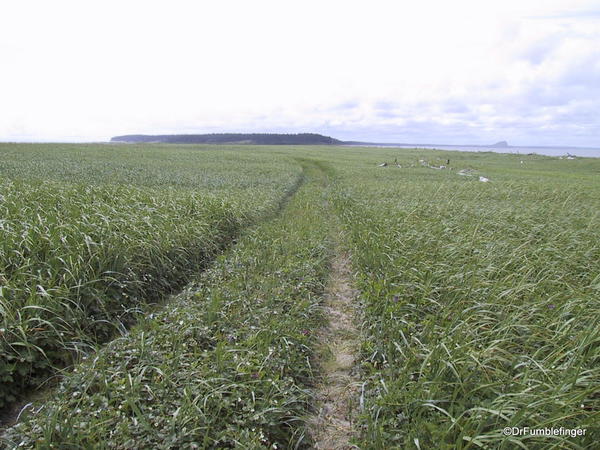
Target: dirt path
337,394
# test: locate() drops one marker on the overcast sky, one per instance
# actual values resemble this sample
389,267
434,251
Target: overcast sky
451,72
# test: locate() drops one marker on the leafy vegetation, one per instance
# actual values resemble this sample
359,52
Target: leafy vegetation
479,300
79,257
226,364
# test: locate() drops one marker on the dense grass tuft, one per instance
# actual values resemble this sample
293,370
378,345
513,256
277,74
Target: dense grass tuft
479,300
225,364
80,257
481,305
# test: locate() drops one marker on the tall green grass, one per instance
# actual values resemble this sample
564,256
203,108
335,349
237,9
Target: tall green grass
90,234
481,303
480,300
226,364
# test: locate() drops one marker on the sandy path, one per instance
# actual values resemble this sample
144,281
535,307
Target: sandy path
337,393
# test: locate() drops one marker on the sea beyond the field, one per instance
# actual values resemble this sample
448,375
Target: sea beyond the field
587,152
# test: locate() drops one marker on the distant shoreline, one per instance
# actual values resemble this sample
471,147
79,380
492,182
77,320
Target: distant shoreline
582,152
315,139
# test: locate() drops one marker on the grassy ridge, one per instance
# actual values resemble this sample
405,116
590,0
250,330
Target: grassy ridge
225,364
481,302
89,234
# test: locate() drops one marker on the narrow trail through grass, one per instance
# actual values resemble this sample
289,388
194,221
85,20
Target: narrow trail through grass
227,363
477,311
92,237
10,415
334,425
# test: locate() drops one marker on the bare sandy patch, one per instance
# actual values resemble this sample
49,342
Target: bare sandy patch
333,426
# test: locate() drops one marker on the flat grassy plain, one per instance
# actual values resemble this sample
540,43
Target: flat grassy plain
90,233
479,301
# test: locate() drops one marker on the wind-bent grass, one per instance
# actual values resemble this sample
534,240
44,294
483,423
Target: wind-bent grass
481,305
224,364
480,301
89,234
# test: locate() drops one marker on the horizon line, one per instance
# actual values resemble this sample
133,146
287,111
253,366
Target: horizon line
343,142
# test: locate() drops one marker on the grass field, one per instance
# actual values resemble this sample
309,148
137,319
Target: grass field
90,233
479,302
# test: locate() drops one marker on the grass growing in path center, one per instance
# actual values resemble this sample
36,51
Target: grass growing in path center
480,310
226,364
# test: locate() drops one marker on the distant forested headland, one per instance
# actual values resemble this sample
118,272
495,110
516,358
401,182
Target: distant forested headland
231,138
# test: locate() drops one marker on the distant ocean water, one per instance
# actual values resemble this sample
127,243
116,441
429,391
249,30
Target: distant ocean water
549,151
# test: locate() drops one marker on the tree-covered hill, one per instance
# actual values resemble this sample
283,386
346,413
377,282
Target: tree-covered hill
231,138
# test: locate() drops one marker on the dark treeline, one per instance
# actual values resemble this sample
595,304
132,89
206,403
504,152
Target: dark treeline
232,138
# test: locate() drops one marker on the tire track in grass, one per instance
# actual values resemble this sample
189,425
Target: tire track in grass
231,364
333,427
9,415
225,365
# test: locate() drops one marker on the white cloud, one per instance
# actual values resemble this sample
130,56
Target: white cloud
456,70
